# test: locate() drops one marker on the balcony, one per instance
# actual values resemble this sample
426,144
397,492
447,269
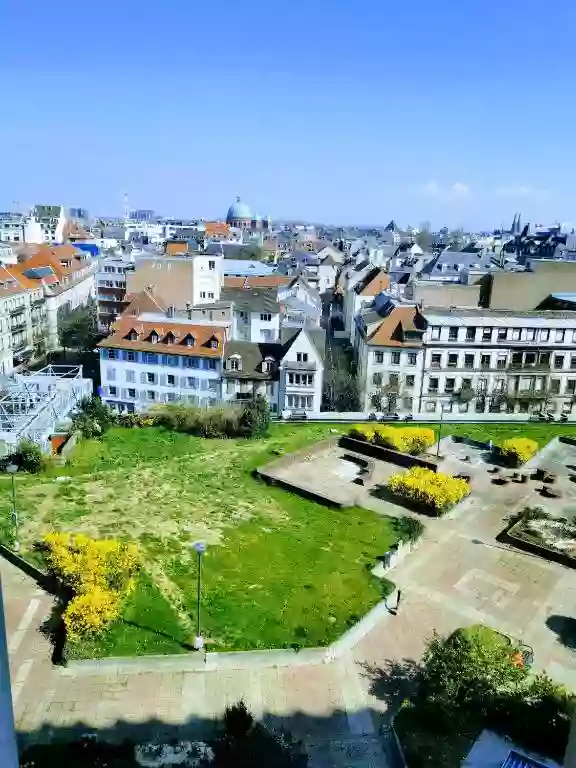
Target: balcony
19,326
17,310
37,302
529,366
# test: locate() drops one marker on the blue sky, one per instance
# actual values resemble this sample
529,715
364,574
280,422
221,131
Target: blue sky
459,112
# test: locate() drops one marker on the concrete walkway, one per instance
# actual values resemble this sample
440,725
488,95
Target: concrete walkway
459,575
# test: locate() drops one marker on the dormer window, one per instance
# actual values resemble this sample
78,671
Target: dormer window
267,365
133,336
154,337
189,341
213,343
170,338
235,363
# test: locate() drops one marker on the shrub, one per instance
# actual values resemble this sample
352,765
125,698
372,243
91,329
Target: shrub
362,432
417,439
220,421
93,417
255,418
431,489
518,450
28,457
99,573
91,612
390,437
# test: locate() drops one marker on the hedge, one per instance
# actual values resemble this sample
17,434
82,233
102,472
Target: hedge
433,490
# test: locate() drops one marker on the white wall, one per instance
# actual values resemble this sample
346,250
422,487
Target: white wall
206,280
302,345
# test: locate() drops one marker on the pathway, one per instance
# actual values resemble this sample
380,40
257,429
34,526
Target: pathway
458,576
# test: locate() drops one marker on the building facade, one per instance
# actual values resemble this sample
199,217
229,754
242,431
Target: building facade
467,361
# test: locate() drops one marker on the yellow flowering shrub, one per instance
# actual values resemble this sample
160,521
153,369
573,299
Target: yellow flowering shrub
518,450
412,440
362,432
100,573
91,612
431,489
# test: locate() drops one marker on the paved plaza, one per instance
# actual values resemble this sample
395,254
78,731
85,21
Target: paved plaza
458,575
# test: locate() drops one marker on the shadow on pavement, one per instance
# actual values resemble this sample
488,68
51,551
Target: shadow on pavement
393,682
565,629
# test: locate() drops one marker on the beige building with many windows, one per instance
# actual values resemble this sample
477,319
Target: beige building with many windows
466,361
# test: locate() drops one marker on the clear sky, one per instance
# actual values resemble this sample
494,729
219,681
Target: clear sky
459,112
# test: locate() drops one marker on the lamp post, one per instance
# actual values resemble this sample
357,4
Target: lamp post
440,429
12,469
200,548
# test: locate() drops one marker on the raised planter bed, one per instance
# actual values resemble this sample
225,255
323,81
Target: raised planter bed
386,454
519,538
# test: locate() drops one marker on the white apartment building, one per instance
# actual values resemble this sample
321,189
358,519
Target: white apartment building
11,228
475,361
111,288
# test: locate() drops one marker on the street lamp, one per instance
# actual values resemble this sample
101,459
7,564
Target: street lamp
440,430
200,547
12,469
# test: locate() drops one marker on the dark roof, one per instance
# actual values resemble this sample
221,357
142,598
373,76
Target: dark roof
391,227
316,335
253,355
252,299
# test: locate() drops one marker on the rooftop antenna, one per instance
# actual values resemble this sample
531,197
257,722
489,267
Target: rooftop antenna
126,208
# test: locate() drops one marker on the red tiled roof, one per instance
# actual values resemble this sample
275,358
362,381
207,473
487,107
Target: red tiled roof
203,336
390,332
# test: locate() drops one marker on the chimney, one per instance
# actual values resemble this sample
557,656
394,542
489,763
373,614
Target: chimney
189,310
170,310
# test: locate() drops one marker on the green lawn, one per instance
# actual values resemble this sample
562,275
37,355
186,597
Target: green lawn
280,571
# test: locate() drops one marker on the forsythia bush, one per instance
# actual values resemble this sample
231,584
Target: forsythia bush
362,432
412,440
517,450
100,573
433,489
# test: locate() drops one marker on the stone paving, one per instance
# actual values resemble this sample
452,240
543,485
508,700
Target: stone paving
459,575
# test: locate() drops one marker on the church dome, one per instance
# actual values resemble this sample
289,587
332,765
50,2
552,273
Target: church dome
239,210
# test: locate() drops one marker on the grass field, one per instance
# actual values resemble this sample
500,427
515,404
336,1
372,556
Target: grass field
279,571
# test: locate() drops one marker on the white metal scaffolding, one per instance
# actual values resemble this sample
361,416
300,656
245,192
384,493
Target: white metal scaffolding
33,403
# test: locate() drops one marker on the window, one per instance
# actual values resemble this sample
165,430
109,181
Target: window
151,378
265,317
154,337
573,336
468,361
130,377
412,358
559,334
191,362
486,334
558,361
452,333
130,356
573,361
111,374
449,386
554,386
378,357
202,294
211,265
189,341
133,336
430,406
266,366
530,358
502,334
407,401
170,338
530,334
470,333
266,335
516,360
436,361
112,391
466,383
433,385
301,357
377,379
435,332
151,358
210,294
452,361
111,354
211,365
395,358
482,385
463,407
234,364
171,380
170,397
132,394
484,361
393,380
544,334
516,334
151,395
570,386
410,381
213,343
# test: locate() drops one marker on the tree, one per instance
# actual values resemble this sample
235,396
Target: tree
251,253
340,393
255,417
77,329
93,417
28,457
